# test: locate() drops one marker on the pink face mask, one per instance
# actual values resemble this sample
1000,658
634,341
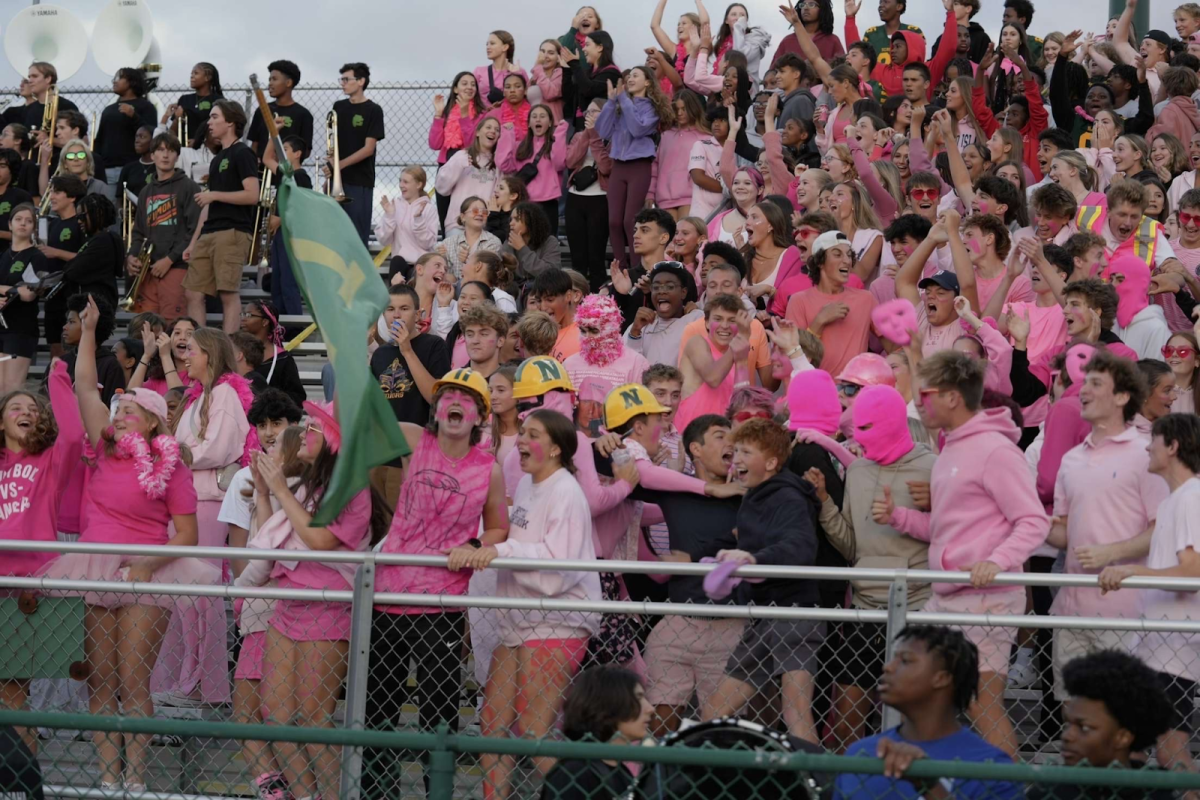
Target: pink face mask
881,424
894,319
1077,358
1133,293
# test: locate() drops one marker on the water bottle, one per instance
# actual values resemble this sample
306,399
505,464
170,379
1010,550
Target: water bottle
621,456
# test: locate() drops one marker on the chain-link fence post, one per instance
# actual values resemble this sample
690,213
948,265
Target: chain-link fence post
441,767
896,620
356,674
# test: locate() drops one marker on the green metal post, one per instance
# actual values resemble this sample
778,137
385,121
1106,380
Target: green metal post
1141,16
441,766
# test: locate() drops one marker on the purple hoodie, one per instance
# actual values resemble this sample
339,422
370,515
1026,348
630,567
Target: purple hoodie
971,520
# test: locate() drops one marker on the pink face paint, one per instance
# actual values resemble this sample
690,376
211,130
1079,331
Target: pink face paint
975,246
984,206
464,401
536,451
312,440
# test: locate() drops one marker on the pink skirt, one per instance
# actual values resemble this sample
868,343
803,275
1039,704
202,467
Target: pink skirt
312,621
250,659
114,568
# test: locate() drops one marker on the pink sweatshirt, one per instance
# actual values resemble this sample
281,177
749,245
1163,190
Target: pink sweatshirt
409,234
224,439
31,486
1064,429
437,133
671,186
999,357
548,183
458,179
702,79
549,521
984,504
551,88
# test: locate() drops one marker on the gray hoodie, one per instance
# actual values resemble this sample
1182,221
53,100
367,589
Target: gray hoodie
864,542
167,214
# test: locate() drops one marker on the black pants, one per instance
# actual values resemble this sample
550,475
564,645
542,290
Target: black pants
551,209
443,206
587,236
434,642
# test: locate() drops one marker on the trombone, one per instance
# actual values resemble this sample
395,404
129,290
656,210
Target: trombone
333,184
261,237
131,297
49,114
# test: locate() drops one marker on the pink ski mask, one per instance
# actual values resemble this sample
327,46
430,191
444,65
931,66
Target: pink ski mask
1133,293
894,319
601,312
1077,358
813,402
881,424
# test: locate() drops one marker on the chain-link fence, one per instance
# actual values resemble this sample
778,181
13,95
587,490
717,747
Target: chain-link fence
491,666
407,108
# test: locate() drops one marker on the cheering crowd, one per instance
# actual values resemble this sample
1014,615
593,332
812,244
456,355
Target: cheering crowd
861,302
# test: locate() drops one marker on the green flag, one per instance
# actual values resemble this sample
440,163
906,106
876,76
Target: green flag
343,289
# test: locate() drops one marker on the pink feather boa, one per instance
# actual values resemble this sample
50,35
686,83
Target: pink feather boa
245,397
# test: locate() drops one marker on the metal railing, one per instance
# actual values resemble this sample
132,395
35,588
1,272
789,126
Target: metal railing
364,597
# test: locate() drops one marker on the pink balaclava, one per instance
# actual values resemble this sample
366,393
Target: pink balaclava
813,402
881,424
600,311
1133,293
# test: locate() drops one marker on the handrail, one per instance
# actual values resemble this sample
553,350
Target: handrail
443,741
635,567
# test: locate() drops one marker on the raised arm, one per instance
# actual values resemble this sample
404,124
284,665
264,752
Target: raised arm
809,48
958,168
909,275
945,52
1121,34
885,205
92,410
961,260
656,28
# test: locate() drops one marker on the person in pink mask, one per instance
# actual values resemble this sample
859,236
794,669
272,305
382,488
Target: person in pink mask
890,457
1140,324
985,518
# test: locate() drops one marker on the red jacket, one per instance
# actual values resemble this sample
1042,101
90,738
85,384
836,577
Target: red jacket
828,45
1039,120
891,76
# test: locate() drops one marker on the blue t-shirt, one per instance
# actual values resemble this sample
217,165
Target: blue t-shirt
962,746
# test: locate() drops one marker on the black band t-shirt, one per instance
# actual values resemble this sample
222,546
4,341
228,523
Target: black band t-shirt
358,122
295,120
10,199
226,173
196,109
21,316
114,140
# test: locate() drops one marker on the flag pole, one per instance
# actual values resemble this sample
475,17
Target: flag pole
264,108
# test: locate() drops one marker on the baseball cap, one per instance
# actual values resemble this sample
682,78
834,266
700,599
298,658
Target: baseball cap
1162,37
827,240
944,278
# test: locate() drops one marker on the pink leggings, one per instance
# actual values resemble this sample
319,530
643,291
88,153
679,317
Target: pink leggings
628,185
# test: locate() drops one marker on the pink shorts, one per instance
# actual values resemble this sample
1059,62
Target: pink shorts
994,642
250,659
315,621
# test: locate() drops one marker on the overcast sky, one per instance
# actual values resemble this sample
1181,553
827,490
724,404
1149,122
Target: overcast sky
408,40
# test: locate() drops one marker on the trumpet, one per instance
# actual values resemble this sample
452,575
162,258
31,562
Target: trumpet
262,221
49,114
131,297
181,129
333,184
95,131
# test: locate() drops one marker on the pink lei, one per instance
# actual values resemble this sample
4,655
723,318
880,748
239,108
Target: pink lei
155,461
245,396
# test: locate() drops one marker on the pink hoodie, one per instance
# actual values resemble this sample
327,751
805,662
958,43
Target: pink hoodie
548,183
971,520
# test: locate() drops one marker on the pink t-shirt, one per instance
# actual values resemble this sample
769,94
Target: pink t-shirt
1021,290
117,511
160,384
706,156
352,528
32,486
843,339
1047,329
1108,495
440,505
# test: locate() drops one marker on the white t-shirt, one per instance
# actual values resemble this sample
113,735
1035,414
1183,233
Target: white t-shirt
236,508
1177,528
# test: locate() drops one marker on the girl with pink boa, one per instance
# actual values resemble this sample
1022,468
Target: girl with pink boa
138,485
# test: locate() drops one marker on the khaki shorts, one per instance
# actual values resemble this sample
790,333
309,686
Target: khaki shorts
994,643
1071,644
217,262
686,654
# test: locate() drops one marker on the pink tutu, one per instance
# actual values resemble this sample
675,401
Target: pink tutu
98,567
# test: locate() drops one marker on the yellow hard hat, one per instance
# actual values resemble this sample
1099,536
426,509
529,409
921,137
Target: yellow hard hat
628,401
540,374
468,379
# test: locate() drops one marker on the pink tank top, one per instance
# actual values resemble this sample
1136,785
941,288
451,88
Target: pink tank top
706,399
440,505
